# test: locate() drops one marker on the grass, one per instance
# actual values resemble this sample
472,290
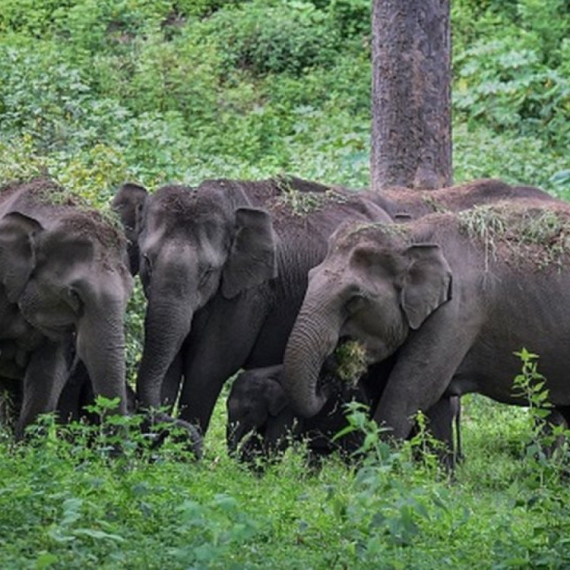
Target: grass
508,231
350,362
65,505
302,203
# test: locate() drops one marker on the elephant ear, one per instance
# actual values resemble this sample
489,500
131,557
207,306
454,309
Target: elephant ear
275,398
18,236
128,203
252,258
427,283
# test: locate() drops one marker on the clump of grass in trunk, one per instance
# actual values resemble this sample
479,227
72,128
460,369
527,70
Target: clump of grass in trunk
350,362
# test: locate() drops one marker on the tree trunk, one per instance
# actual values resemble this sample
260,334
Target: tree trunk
411,94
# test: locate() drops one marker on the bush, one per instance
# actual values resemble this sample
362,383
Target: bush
262,37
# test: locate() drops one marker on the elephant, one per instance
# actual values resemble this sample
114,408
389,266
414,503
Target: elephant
64,282
224,268
404,204
261,422
452,296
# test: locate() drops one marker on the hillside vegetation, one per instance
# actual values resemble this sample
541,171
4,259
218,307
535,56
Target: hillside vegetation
97,92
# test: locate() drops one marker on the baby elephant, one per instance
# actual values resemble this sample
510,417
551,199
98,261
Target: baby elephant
261,423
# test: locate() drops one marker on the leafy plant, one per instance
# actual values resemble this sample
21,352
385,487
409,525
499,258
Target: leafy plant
274,37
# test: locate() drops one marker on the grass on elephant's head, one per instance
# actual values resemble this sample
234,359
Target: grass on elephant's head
303,201
514,231
433,203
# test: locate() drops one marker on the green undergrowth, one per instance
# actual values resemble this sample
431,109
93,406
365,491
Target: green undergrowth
70,501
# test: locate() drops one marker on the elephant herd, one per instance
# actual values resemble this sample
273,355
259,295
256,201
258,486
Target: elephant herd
438,288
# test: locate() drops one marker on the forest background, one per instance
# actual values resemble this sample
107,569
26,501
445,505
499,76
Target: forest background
98,92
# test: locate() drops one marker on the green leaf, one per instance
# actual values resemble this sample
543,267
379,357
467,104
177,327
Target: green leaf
45,560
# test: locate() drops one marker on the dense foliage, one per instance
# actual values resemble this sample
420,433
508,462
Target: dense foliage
100,91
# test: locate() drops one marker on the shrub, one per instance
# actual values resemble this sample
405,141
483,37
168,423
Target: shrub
274,37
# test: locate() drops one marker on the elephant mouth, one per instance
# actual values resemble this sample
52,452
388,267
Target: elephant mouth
53,332
53,328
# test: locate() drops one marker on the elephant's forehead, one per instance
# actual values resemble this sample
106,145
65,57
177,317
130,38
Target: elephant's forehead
188,207
76,223
350,235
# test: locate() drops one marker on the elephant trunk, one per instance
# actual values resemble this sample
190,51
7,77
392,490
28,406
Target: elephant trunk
172,300
101,347
235,432
313,338
166,326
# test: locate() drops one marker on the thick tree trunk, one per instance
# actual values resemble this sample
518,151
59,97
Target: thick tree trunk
411,94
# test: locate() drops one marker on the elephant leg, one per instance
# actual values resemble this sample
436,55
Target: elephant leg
220,343
424,370
270,441
77,392
440,418
204,377
278,431
45,378
455,403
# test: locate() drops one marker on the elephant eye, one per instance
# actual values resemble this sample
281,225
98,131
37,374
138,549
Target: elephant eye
206,274
355,303
73,299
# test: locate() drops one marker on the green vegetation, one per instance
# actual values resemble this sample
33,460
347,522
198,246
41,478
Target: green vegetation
299,201
67,504
350,358
96,92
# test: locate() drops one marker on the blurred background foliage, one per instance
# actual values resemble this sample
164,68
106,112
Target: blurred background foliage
98,91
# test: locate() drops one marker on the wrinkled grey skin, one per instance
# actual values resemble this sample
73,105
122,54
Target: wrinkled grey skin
224,267
261,421
404,204
453,313
257,408
63,280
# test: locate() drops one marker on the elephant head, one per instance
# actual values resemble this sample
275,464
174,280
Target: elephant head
129,203
194,244
64,268
374,286
257,405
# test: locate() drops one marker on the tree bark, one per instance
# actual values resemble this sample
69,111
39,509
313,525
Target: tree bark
411,94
